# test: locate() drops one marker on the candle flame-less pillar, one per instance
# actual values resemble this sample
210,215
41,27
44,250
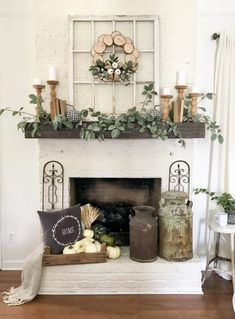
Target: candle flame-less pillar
52,73
194,97
38,86
53,85
165,104
179,104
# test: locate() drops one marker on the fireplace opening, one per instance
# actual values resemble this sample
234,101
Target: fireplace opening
115,198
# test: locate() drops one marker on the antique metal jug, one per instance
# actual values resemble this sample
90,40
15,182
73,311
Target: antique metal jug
175,227
143,234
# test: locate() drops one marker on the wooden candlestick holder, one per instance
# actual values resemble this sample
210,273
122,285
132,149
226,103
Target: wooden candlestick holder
53,85
39,88
194,97
165,106
178,105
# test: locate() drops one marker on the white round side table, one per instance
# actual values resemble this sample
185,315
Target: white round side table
213,257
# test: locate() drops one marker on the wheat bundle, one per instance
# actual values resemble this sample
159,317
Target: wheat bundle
89,214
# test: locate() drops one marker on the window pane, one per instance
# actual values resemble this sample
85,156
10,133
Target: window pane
82,96
144,35
126,28
102,27
103,98
145,71
82,62
124,98
82,37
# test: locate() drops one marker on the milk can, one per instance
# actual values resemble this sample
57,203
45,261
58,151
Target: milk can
175,227
143,234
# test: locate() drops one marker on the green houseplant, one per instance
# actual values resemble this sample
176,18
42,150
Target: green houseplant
224,200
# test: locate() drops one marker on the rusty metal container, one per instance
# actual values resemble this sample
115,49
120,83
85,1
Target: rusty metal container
143,234
175,227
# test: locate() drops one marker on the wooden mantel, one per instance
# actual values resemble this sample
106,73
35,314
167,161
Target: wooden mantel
188,130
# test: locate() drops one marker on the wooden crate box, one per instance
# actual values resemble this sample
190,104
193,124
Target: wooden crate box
72,259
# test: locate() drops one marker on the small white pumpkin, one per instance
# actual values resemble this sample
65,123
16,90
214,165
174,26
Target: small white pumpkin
79,246
69,250
88,233
113,252
98,246
91,248
87,240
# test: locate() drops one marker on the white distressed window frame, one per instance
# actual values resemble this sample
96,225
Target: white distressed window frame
114,19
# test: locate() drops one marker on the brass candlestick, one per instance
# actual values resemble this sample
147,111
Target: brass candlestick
39,88
194,97
178,105
165,106
53,85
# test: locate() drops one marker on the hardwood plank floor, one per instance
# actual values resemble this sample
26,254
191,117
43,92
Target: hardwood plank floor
216,303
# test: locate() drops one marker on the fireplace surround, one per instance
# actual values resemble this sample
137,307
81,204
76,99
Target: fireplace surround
118,159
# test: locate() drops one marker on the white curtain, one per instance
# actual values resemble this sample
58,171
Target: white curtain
222,175
222,157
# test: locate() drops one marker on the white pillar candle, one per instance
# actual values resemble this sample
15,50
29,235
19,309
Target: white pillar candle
166,91
181,78
37,81
195,89
52,73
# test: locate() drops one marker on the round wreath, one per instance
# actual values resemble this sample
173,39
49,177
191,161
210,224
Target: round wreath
57,224
112,69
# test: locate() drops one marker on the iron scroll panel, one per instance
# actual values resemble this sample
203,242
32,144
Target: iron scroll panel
179,176
53,184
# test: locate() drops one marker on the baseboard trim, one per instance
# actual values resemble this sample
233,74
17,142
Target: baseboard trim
12,265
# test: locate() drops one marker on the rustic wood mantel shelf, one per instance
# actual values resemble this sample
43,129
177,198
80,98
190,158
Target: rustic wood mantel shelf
188,130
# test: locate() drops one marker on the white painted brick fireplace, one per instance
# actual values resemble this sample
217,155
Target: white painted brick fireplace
118,158
113,158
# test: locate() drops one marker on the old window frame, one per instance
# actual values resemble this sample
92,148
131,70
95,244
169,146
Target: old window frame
114,19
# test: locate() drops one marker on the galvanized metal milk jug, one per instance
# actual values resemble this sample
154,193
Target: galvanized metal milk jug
143,234
175,227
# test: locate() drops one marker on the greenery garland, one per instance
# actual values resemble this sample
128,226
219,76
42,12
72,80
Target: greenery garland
147,119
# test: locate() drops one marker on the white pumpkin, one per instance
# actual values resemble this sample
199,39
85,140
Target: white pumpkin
91,248
79,246
87,240
98,246
69,250
88,233
113,252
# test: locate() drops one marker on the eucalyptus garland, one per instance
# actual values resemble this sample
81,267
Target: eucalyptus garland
147,119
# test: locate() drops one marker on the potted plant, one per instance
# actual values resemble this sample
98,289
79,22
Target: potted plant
225,200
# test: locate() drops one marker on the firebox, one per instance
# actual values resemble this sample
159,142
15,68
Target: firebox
115,198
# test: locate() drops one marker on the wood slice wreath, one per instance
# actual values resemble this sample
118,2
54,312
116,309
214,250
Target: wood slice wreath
112,69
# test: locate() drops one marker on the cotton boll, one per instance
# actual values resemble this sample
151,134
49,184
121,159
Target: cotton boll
117,71
110,71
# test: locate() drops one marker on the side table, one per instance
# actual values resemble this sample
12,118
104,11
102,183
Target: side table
212,263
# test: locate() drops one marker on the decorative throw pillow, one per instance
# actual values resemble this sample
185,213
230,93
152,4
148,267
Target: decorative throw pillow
61,228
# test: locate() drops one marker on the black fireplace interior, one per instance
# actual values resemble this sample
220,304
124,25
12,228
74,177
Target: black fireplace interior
115,197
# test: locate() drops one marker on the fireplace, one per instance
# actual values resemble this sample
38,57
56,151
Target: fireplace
113,162
115,198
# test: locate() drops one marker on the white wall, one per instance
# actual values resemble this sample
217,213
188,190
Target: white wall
177,29
18,157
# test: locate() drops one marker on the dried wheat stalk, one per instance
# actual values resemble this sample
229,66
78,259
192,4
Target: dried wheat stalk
89,214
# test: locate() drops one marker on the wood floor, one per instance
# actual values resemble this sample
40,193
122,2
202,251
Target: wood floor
216,303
